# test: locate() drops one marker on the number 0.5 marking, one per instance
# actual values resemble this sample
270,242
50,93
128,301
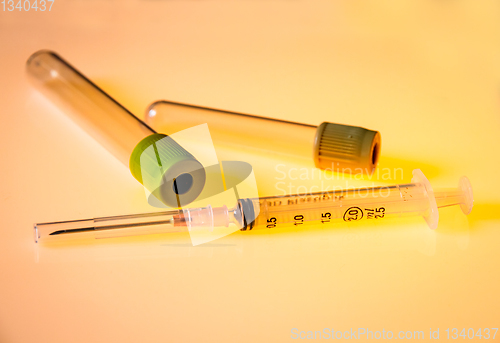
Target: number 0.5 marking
271,223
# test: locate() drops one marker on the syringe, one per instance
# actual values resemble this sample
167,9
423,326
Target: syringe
368,204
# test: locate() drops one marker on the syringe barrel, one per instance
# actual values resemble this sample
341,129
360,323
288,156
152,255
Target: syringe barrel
348,205
155,160
113,126
337,147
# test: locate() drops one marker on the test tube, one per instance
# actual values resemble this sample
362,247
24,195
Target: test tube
416,198
164,167
336,147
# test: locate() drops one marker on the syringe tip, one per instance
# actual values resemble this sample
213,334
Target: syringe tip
179,220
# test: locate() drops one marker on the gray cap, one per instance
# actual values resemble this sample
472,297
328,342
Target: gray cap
346,149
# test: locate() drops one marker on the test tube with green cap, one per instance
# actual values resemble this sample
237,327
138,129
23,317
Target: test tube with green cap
336,147
172,174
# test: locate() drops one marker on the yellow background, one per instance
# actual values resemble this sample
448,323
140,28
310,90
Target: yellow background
426,74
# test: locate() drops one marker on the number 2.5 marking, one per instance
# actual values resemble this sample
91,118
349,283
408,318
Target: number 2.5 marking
375,213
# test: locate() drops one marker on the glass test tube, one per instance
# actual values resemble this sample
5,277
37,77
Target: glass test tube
336,147
178,179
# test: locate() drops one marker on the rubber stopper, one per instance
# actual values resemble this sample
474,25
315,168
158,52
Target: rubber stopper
167,170
346,149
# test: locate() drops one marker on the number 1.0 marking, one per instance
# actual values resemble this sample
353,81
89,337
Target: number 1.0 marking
299,219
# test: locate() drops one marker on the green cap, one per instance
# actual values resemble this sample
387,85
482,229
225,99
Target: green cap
346,149
167,170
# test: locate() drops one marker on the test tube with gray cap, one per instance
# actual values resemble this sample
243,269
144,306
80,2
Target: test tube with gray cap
336,147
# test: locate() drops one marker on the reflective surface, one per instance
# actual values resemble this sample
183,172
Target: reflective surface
425,74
